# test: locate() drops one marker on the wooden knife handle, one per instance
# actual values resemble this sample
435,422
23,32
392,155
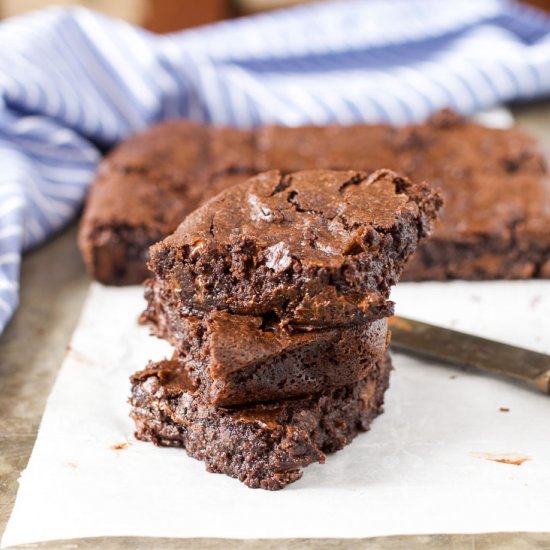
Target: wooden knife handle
419,338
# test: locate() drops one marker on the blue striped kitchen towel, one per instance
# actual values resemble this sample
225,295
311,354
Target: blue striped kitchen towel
74,82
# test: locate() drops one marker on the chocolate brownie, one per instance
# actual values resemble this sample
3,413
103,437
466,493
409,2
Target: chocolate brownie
264,446
238,359
509,240
145,188
462,158
359,147
311,249
496,220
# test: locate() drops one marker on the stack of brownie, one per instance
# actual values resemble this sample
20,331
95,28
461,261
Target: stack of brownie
275,296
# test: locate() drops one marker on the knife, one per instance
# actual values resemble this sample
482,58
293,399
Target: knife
417,338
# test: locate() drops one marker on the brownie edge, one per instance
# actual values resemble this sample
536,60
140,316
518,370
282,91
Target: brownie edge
263,446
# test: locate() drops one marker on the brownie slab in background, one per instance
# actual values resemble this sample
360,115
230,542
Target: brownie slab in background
311,249
145,188
495,223
234,360
264,446
496,220
506,240
469,163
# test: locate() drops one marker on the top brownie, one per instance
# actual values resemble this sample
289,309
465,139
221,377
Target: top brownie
311,248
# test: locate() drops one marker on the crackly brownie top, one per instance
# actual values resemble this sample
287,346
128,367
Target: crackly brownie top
317,216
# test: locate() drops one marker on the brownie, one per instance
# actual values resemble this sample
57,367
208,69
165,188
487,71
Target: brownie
485,175
309,249
496,220
239,359
495,223
264,446
147,185
510,240
359,147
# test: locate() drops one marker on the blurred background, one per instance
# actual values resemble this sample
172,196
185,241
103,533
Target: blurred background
157,15
169,15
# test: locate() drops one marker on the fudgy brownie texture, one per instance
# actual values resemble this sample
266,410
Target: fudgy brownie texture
311,249
495,224
235,359
264,446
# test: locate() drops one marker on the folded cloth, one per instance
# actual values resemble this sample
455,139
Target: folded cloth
74,82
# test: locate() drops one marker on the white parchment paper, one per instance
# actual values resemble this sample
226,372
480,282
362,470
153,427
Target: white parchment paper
423,468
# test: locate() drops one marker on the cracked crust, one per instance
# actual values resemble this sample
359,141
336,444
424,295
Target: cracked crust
313,248
264,446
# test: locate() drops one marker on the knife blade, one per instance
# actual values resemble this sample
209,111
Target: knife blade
418,338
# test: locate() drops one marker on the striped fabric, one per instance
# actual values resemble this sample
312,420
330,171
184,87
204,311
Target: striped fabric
74,82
